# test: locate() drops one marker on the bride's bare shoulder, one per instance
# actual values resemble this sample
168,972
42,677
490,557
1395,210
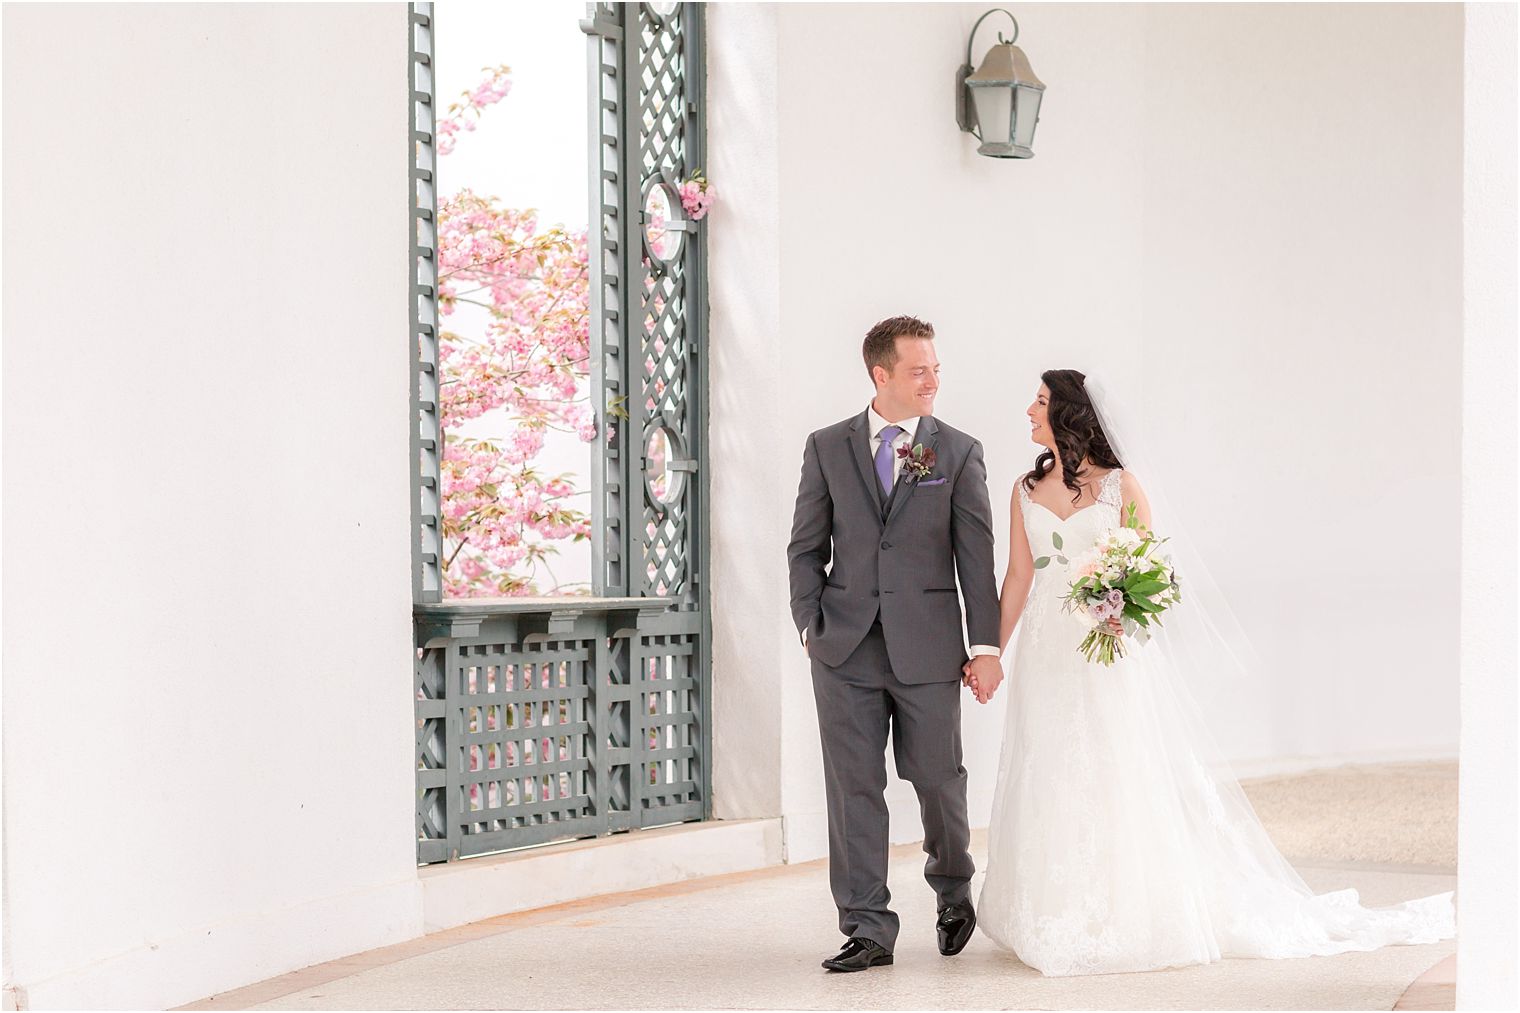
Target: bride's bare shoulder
1130,487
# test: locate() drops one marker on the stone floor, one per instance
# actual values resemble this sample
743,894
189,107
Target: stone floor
753,940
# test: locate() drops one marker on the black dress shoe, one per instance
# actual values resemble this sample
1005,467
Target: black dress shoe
954,927
857,955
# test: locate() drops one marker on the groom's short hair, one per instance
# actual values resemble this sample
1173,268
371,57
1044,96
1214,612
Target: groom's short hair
880,346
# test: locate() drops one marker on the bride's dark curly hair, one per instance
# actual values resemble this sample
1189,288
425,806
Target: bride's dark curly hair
1078,434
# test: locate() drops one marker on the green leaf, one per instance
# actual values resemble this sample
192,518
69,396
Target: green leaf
1146,587
1063,560
1055,537
1042,562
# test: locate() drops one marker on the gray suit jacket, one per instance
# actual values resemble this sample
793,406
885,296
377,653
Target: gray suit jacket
899,554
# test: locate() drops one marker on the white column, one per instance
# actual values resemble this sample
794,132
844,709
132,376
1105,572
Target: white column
208,716
753,470
1486,827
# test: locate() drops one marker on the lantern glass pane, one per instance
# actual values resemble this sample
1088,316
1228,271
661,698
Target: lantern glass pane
1026,114
994,113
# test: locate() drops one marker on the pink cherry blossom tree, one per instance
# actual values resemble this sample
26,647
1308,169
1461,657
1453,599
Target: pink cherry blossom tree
504,518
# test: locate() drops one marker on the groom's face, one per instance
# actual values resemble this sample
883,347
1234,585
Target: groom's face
910,387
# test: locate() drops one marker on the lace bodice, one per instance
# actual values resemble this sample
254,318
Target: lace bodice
1105,511
1079,532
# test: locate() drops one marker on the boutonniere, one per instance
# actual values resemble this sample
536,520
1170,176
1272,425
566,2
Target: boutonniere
916,463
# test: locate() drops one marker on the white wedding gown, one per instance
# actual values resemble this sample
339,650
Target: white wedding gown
1116,843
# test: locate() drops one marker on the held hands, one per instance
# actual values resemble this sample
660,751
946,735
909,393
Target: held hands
982,675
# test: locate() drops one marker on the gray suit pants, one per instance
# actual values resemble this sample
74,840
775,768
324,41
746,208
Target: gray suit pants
857,704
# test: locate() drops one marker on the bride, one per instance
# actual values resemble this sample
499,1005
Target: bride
1118,841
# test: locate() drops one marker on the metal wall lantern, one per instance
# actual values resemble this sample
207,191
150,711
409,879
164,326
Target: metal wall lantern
1000,102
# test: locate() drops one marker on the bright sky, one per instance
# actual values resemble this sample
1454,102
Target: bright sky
530,149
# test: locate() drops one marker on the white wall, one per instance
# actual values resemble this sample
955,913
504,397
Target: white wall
1302,321
207,601
1487,806
756,695
1250,216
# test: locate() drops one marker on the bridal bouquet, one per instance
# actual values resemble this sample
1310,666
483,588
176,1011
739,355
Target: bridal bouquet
1124,576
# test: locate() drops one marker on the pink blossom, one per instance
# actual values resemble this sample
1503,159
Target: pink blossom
530,363
696,197
465,113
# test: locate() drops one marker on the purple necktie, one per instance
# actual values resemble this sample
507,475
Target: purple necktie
884,457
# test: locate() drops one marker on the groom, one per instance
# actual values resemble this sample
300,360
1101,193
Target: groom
892,506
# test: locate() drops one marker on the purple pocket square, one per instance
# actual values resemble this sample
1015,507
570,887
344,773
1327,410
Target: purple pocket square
934,481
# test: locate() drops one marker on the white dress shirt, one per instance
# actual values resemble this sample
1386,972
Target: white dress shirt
909,427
